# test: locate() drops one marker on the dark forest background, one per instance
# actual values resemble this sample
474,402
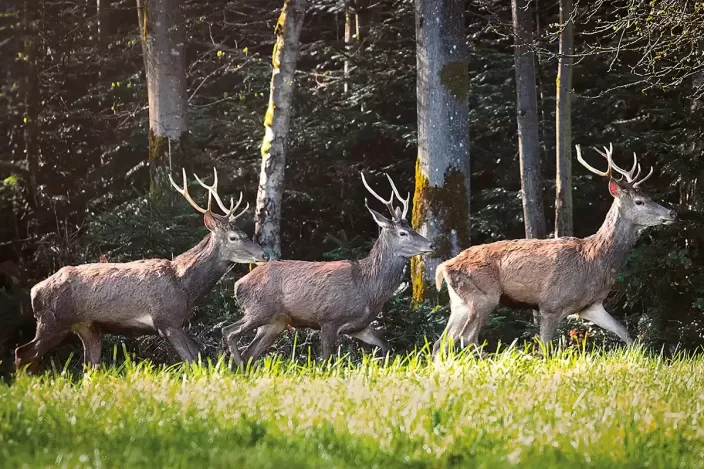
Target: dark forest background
88,142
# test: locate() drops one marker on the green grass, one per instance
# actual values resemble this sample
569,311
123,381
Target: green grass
619,409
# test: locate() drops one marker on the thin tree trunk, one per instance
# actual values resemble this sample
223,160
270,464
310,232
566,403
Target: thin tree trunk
527,121
276,127
349,13
368,14
442,194
164,53
103,20
31,97
539,85
564,84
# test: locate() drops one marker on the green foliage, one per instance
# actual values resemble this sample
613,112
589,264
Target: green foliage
584,409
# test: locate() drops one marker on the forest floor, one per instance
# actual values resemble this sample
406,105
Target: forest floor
619,409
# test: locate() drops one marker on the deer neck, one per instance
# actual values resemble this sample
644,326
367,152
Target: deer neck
613,241
382,271
200,268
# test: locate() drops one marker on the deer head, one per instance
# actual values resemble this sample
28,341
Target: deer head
633,204
402,239
232,242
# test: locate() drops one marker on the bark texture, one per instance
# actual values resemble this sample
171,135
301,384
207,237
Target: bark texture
527,121
441,211
350,35
103,21
30,85
276,127
564,152
164,53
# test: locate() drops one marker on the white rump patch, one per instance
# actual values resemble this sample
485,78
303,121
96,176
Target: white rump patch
145,320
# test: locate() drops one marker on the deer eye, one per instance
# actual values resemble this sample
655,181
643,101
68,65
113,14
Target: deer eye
403,233
639,202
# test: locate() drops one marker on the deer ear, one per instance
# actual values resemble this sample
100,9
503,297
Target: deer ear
209,221
615,190
380,219
397,213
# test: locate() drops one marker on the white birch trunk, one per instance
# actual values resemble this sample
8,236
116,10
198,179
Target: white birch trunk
276,127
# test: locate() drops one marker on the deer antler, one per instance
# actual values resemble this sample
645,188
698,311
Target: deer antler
187,196
387,203
629,176
607,155
405,202
213,189
636,184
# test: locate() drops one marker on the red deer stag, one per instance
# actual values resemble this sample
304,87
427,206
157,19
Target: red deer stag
341,297
145,297
558,277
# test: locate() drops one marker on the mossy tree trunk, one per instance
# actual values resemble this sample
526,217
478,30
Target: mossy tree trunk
564,152
164,52
527,120
276,127
442,195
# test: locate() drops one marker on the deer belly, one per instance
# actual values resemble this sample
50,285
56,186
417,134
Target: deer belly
508,301
129,330
127,314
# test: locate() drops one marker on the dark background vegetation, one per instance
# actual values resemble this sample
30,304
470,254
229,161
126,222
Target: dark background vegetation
92,145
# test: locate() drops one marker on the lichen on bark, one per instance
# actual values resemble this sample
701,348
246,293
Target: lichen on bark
449,203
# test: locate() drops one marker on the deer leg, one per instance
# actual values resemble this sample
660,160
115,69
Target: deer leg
266,335
92,343
548,325
193,346
468,315
369,336
597,314
456,323
233,331
459,316
45,340
459,313
329,338
179,341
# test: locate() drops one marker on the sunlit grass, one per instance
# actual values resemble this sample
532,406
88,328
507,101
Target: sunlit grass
617,409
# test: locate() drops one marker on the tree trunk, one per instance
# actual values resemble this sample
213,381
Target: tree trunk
164,53
103,21
31,97
276,127
442,195
527,121
541,105
368,15
564,153
349,14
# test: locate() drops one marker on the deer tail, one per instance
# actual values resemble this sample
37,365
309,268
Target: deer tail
440,275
